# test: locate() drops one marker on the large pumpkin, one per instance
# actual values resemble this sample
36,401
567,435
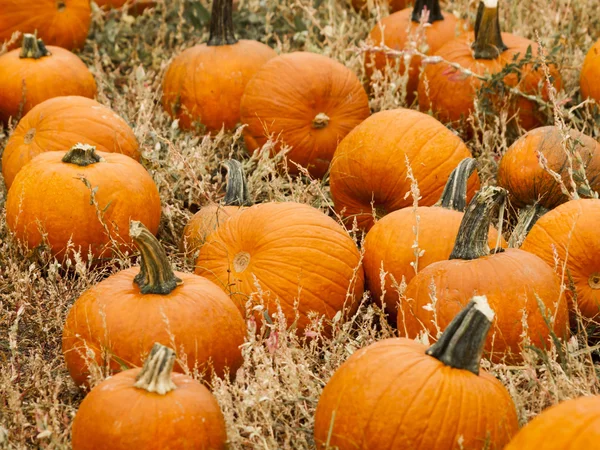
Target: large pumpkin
309,102
398,394
149,408
291,252
590,73
204,84
35,73
81,200
114,324
370,166
60,123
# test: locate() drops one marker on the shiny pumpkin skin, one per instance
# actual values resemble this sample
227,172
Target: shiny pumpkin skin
51,193
527,182
115,415
570,425
288,93
60,123
370,164
590,73
450,94
61,73
510,280
293,250
204,222
205,83
392,395
64,26
571,229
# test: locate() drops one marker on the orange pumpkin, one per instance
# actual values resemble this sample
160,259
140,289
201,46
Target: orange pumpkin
123,411
133,6
398,394
64,23
35,73
114,324
369,169
309,102
514,281
81,200
205,83
590,73
62,122
393,5
293,253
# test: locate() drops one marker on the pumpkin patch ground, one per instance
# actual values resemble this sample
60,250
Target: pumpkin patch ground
297,279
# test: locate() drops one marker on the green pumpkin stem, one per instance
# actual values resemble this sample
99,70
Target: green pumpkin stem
433,6
455,192
33,48
528,216
221,24
488,38
461,344
82,155
156,275
155,376
472,239
236,193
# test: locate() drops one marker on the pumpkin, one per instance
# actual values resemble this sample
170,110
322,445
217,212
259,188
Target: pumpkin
62,122
309,102
370,166
64,23
393,5
150,408
590,73
81,200
35,73
569,425
134,6
296,255
114,324
399,394
450,93
570,232
204,84
516,283
390,244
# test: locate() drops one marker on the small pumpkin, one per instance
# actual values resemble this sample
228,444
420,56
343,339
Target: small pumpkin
150,408
399,394
114,324
62,122
204,84
309,102
370,166
294,253
35,73
517,284
590,73
81,198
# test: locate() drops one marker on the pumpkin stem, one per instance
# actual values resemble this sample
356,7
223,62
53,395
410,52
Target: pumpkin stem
321,120
33,48
221,24
455,192
236,193
155,376
528,216
472,239
156,275
488,38
432,6
461,344
82,155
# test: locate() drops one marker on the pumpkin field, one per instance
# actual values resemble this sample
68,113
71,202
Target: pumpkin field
300,224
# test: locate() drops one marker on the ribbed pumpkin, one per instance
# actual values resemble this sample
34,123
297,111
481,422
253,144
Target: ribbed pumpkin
115,323
59,197
370,164
151,409
571,231
309,102
450,94
514,281
390,244
393,5
399,394
205,83
569,425
590,73
35,73
64,23
62,122
293,252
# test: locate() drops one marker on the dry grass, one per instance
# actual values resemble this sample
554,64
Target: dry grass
272,401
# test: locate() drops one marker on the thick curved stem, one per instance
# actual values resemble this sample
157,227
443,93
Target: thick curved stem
488,38
221,24
156,275
155,376
82,155
236,193
320,121
455,192
432,6
33,48
461,344
528,216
